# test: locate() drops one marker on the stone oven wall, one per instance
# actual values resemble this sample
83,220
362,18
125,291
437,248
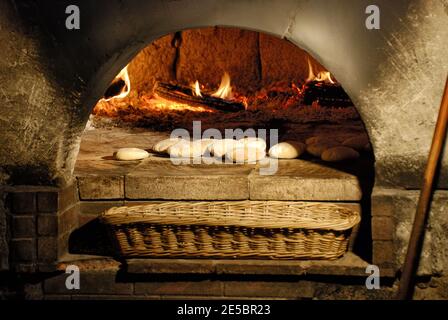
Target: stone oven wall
252,59
52,77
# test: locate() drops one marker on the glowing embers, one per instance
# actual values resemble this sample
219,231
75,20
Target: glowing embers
169,103
160,103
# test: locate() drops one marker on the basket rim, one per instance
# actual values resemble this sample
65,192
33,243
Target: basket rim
239,214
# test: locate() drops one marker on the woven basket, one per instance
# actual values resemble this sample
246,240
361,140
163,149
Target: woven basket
232,229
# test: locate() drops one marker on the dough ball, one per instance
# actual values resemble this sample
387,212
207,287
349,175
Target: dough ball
219,148
252,142
246,155
340,153
287,150
162,146
318,148
128,154
356,142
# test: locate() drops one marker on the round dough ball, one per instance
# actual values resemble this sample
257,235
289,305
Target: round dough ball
187,149
317,148
356,142
219,148
319,140
246,155
340,153
162,146
181,149
199,147
128,154
252,142
287,150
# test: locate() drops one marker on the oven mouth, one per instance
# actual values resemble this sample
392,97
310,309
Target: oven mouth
306,109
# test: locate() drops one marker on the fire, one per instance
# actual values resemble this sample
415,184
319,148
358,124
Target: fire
156,102
122,76
322,76
197,89
225,90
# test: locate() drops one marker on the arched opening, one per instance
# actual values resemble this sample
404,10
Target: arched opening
224,79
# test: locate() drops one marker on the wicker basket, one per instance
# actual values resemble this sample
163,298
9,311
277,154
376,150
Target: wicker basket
232,229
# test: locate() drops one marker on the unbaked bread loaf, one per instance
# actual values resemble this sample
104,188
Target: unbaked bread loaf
318,148
340,153
220,147
357,142
252,142
319,140
246,154
162,146
129,154
188,149
287,150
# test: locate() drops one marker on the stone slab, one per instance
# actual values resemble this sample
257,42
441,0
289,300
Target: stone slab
209,288
163,180
101,187
348,265
304,180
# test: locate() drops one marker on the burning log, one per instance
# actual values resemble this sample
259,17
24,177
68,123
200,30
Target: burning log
186,95
328,94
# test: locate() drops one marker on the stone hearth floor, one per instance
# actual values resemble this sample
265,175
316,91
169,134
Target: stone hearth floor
100,177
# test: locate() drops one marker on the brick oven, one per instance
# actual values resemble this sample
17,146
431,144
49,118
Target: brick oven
311,70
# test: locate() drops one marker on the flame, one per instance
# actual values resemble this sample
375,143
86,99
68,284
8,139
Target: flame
157,102
311,75
225,90
322,76
124,75
197,89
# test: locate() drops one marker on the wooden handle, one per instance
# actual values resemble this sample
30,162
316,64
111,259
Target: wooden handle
406,286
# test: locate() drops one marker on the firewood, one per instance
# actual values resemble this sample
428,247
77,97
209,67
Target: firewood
185,95
327,94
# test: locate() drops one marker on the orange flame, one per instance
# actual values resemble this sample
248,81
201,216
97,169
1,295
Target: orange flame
157,102
225,90
322,76
197,89
124,75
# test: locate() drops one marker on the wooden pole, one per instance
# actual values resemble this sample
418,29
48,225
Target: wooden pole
406,286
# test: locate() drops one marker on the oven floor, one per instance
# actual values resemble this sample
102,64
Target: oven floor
100,177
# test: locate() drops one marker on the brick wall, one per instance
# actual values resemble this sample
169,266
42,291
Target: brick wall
41,220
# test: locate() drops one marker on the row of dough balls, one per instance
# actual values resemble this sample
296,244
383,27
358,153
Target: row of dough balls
252,149
244,150
331,150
